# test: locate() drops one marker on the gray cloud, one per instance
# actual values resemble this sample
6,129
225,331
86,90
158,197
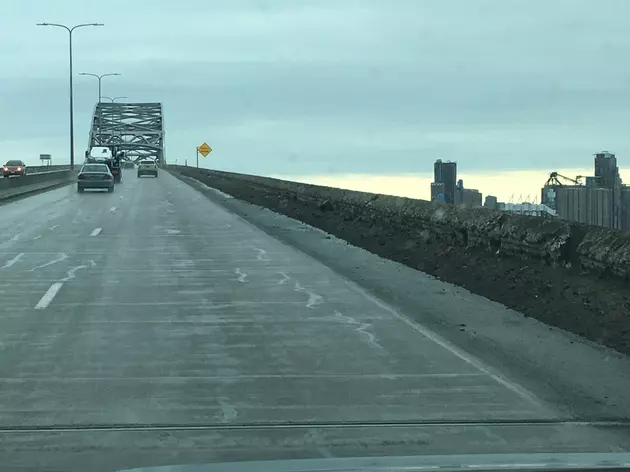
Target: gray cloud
335,86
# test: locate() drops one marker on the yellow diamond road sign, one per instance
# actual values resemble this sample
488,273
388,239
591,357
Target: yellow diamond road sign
204,149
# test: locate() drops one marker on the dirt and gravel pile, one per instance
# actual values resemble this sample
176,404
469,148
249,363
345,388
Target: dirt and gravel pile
534,266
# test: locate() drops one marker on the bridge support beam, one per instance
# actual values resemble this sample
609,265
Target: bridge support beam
135,128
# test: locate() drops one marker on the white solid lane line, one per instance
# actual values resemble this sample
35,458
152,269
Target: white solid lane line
13,261
455,350
96,232
49,296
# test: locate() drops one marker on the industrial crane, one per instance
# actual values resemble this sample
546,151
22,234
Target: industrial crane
554,179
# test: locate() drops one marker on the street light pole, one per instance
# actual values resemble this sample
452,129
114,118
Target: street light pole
70,30
99,77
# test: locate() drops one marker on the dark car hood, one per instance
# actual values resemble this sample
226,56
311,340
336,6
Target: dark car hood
477,462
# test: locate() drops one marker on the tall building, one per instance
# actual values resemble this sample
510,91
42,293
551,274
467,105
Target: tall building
603,201
607,176
491,202
471,198
437,191
446,173
466,197
606,170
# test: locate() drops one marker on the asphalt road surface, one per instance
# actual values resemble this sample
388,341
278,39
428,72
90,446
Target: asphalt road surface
153,326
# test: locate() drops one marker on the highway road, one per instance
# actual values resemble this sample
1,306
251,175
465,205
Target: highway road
155,326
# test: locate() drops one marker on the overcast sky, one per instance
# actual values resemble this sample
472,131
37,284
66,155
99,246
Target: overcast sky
303,87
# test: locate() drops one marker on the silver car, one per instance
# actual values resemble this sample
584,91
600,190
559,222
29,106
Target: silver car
93,175
147,167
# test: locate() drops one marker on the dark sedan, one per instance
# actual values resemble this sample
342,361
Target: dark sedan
95,176
13,168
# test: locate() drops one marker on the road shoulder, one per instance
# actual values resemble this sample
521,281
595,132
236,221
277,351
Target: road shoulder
581,378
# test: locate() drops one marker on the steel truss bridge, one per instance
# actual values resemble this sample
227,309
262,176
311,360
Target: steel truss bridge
135,128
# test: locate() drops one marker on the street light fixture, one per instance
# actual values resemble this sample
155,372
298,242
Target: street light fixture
114,99
99,77
70,30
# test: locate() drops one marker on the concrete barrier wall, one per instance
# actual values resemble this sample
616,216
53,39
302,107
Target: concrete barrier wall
15,186
553,241
40,169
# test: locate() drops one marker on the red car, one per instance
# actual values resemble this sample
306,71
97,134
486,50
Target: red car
13,168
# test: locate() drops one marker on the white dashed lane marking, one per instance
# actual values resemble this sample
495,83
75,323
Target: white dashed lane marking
13,261
48,296
96,232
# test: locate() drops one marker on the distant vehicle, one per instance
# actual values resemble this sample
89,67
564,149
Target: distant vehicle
108,155
147,167
129,165
100,152
13,168
95,175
